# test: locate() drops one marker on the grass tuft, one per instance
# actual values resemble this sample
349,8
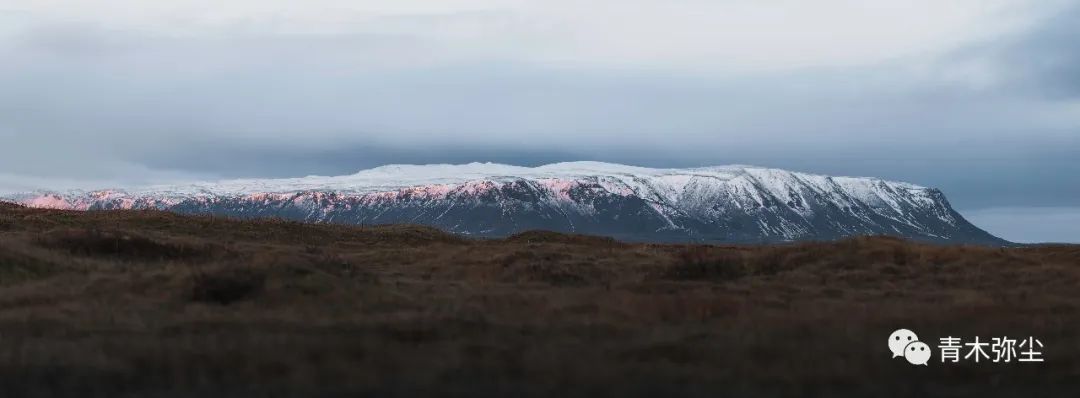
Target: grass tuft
227,285
117,244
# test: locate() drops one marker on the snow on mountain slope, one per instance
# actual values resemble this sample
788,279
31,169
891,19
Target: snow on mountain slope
716,204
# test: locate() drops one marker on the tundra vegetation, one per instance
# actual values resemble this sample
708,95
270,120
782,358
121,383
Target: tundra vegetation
145,303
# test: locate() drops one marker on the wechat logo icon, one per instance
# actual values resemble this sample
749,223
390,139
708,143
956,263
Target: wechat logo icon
904,343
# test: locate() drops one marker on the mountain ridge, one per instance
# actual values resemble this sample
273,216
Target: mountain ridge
708,204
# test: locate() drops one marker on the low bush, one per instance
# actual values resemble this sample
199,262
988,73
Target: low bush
227,285
125,246
699,263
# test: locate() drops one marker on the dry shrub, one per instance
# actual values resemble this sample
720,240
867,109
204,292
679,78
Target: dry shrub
539,236
119,245
550,267
409,234
700,263
336,265
770,261
227,285
714,263
292,264
17,267
554,274
847,254
315,275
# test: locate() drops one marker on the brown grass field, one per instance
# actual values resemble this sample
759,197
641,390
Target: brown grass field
151,304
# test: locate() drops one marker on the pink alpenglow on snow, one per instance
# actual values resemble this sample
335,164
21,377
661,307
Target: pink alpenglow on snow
721,203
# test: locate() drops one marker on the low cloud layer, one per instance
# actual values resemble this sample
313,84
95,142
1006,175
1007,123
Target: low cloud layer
980,99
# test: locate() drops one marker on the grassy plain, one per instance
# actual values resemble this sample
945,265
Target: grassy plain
152,304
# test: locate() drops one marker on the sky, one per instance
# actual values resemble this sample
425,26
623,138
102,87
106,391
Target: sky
979,98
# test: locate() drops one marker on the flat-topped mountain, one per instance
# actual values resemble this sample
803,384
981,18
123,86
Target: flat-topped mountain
741,204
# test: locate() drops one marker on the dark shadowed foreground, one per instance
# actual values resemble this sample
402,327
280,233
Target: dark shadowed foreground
105,304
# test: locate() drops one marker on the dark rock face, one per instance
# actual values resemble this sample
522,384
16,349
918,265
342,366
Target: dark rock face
759,206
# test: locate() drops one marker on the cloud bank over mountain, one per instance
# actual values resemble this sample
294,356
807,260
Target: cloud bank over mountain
981,99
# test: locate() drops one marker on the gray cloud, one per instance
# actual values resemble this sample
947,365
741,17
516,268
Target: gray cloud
993,123
1046,58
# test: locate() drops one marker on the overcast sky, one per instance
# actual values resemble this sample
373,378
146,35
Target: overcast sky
980,98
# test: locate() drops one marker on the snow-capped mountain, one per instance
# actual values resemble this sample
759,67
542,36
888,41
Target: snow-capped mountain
710,204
